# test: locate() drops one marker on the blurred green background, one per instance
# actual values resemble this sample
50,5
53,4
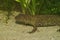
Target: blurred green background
31,6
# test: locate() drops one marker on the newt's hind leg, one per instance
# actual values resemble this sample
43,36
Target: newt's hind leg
34,29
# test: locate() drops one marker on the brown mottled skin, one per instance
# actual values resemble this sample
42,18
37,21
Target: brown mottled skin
38,20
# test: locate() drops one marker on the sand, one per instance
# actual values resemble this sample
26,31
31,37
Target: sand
13,31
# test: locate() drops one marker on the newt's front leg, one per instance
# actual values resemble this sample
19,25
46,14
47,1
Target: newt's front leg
34,29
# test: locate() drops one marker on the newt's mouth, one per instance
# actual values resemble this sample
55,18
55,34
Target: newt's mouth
17,22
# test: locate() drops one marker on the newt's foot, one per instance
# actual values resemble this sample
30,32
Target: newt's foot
33,31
